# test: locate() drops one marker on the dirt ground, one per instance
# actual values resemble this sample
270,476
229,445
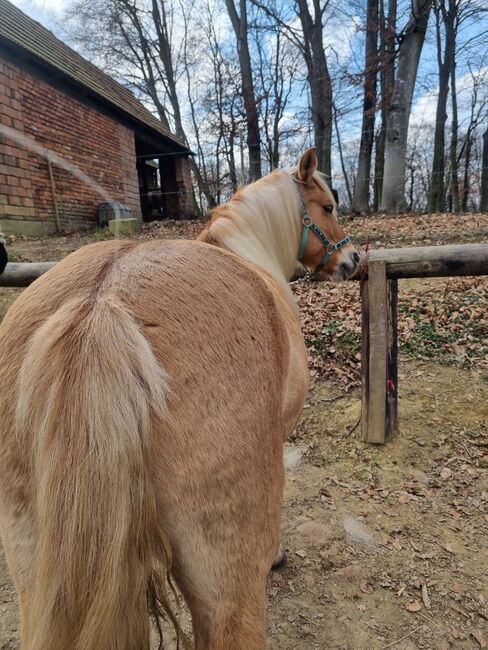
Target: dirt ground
387,546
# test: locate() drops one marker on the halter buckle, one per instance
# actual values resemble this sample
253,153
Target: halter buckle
306,220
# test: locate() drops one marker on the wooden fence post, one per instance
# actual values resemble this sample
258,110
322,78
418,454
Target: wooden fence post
379,349
377,362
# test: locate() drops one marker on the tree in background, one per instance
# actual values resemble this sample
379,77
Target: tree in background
309,41
240,25
398,111
360,202
314,81
387,31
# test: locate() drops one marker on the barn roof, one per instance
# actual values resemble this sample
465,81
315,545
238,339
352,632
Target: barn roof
43,48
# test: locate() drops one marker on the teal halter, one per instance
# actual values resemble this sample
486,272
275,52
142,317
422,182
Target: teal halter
309,225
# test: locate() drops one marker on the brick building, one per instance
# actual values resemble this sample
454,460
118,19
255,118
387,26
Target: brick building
72,138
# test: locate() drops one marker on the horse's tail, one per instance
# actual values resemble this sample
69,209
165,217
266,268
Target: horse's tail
89,388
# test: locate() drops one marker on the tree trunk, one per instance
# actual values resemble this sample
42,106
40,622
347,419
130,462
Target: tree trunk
387,79
239,24
456,204
467,160
484,175
164,50
360,202
393,194
379,164
445,66
343,166
320,83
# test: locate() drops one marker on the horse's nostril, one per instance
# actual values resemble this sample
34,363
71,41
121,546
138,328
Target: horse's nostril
356,258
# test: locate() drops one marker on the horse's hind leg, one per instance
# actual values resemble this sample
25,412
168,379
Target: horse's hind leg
236,623
223,557
18,541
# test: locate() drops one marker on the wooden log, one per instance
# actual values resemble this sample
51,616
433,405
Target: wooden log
21,274
376,431
430,261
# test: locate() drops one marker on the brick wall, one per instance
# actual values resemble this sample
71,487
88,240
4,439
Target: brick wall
101,147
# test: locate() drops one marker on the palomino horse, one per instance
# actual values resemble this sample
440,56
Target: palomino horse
146,391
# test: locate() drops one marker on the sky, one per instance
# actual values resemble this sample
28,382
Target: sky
47,12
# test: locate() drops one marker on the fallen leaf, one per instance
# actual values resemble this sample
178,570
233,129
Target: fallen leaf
300,553
457,588
404,498
365,588
446,473
425,597
479,637
414,606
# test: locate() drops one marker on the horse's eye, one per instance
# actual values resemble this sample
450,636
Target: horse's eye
329,208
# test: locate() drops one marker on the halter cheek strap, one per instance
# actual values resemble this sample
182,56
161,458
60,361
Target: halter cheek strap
309,225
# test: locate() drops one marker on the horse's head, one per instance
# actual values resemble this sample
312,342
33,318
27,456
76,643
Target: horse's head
325,251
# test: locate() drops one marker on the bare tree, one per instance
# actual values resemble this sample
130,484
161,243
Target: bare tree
387,27
478,114
135,40
276,74
398,114
455,199
239,23
341,157
309,42
446,15
360,203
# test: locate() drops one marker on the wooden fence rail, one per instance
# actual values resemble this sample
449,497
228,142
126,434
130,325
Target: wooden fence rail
21,274
379,274
379,342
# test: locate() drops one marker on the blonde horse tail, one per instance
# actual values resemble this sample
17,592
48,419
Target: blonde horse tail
89,390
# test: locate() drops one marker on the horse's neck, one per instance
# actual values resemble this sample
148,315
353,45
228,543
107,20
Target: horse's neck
248,246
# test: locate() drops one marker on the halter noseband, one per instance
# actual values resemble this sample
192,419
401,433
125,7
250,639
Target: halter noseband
309,225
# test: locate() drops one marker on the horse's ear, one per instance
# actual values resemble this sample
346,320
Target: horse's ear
307,165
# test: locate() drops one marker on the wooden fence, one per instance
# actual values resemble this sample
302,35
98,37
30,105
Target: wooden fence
379,342
379,275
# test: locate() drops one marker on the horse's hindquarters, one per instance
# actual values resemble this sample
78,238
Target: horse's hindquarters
215,459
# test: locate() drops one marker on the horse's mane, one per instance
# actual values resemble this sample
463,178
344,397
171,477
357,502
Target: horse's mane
260,222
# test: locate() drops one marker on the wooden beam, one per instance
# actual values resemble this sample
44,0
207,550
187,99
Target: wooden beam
430,261
21,274
376,429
